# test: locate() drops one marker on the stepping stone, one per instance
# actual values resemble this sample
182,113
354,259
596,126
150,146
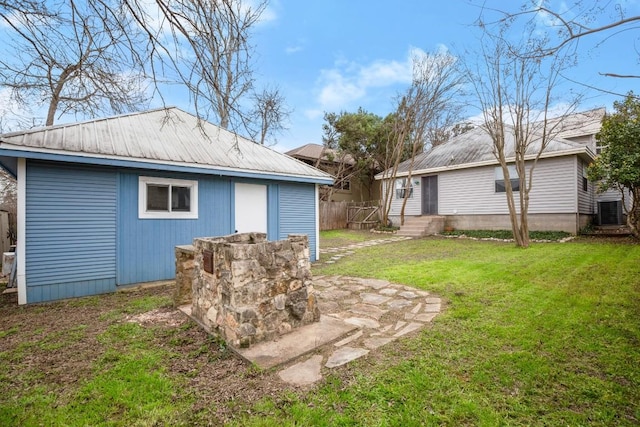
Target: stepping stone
388,291
303,373
417,308
409,316
362,322
334,294
304,339
373,343
348,339
321,283
353,288
351,301
397,304
375,283
385,329
425,317
400,324
344,355
432,308
367,310
374,299
408,294
328,306
407,329
329,262
432,300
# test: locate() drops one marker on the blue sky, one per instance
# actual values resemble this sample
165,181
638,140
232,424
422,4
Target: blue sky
338,55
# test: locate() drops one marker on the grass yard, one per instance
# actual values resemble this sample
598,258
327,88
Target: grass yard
544,336
339,238
549,335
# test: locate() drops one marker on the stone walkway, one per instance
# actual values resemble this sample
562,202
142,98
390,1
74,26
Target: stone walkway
340,252
381,311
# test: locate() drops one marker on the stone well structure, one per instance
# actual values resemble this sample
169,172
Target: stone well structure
247,289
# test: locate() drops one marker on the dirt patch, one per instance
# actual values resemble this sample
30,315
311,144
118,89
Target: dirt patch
57,345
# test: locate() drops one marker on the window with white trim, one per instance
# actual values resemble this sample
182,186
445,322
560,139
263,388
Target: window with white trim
403,188
164,198
515,182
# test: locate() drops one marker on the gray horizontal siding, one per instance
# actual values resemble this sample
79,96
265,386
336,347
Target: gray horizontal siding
472,191
70,231
414,203
585,198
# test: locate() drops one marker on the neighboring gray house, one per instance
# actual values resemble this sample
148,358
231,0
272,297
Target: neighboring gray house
462,181
103,203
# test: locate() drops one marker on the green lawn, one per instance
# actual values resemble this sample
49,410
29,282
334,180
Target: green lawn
549,335
545,336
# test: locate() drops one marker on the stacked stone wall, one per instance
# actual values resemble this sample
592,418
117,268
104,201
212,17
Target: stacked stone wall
249,290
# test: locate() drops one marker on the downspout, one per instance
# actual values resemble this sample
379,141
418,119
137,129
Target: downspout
21,231
317,191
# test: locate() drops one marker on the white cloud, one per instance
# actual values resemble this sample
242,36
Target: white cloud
347,82
293,49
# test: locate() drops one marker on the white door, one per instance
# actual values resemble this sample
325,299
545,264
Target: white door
251,208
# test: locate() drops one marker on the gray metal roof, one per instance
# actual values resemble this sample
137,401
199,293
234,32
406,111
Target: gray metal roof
475,148
314,151
164,137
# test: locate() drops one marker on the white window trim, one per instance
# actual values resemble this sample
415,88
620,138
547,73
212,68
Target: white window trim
142,198
499,176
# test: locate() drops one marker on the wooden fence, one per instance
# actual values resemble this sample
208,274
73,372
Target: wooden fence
356,215
333,215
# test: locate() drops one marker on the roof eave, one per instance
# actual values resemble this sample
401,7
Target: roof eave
85,158
583,152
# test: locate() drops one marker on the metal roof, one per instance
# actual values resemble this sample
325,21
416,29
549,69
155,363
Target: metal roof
579,124
167,136
314,151
475,148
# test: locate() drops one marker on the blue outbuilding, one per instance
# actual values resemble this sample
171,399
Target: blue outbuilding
103,203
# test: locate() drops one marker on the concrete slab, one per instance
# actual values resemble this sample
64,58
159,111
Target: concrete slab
303,373
344,355
296,343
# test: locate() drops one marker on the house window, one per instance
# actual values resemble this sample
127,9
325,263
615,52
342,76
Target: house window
344,184
403,185
515,182
585,182
167,198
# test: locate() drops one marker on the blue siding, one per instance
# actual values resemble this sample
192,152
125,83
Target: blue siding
146,246
273,215
297,212
70,231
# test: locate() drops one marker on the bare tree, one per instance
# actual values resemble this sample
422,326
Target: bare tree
428,107
270,114
72,60
566,27
516,93
204,45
